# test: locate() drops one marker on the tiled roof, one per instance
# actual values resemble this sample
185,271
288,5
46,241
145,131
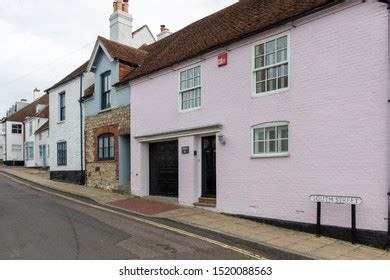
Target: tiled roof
89,91
44,127
29,110
243,19
126,54
43,114
124,71
76,73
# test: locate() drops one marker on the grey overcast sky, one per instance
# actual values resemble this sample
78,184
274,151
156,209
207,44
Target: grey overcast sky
44,40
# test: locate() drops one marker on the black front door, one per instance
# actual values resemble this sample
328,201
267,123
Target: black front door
209,174
164,169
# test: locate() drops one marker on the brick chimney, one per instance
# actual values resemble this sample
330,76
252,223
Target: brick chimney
164,33
121,23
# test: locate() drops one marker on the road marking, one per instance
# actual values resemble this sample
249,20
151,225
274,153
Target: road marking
148,222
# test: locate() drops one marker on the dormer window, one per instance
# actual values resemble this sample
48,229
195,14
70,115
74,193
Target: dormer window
106,90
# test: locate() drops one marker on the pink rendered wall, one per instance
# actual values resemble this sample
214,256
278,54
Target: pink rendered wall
336,105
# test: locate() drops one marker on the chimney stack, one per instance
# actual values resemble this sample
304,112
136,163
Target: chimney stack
121,23
164,33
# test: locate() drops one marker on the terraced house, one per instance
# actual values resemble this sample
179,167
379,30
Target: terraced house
19,144
67,162
107,107
251,110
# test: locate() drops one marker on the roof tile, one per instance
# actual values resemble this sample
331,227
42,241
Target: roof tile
235,22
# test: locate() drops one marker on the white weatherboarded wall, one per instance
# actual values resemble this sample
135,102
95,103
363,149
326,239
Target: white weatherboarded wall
68,130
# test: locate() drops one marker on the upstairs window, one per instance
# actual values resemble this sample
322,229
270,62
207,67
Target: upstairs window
62,154
106,147
17,129
270,139
30,128
106,90
190,88
271,65
62,106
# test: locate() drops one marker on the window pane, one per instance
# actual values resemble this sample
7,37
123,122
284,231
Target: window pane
197,71
259,148
190,83
260,87
100,143
271,85
259,50
270,46
260,75
183,76
283,82
270,133
109,82
284,146
197,81
283,70
259,62
259,134
270,59
190,74
282,43
271,147
272,73
281,55
283,132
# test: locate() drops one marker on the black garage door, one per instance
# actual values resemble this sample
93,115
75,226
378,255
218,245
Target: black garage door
164,169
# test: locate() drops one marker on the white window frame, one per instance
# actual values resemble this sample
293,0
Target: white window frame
269,125
16,148
181,110
60,94
30,128
254,70
29,147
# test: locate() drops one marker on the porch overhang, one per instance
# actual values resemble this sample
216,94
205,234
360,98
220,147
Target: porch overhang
179,133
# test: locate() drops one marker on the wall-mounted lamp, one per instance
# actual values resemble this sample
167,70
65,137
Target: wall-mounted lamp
221,139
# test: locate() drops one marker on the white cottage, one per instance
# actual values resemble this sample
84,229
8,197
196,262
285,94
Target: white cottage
67,126
15,132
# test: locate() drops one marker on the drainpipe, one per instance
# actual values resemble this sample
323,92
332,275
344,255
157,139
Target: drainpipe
388,88
81,130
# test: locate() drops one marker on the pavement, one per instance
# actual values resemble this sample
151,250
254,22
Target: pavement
284,242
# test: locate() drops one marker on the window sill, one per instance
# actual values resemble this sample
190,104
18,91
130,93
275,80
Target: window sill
105,160
105,110
280,155
190,110
60,122
259,95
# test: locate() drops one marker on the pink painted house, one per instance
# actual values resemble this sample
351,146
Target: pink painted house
253,109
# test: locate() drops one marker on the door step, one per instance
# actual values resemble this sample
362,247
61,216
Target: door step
206,202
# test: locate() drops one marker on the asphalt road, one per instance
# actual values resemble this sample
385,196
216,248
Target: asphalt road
35,225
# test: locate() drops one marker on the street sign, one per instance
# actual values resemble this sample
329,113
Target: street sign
333,199
348,200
